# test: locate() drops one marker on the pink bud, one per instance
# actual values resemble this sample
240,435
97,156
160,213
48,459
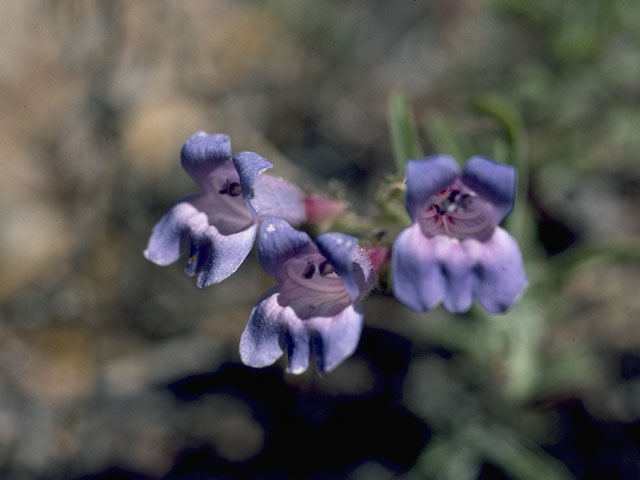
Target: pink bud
378,256
320,208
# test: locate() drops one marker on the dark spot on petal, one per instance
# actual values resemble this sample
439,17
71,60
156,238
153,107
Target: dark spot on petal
309,270
235,189
453,195
325,268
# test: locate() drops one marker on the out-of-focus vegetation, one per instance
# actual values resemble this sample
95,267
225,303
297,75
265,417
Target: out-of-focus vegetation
110,365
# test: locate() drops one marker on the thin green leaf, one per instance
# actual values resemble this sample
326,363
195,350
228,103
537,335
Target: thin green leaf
565,263
403,132
445,138
517,456
447,457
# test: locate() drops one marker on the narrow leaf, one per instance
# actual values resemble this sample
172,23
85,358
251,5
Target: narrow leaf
445,138
403,132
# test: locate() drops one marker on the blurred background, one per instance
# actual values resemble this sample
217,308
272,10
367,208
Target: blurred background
112,367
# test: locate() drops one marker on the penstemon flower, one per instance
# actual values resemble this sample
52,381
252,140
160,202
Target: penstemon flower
315,310
218,226
454,250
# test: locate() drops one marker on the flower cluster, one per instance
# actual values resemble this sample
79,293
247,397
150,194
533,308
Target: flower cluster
315,312
453,251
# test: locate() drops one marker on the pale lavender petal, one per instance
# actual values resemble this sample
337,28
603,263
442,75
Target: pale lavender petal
336,338
203,153
499,275
250,166
278,242
216,256
493,181
417,279
365,275
227,213
426,178
168,239
311,297
277,197
297,340
213,256
430,270
456,268
339,249
199,244
261,343
273,329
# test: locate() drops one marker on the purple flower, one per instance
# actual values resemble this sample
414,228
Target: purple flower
315,311
218,225
454,250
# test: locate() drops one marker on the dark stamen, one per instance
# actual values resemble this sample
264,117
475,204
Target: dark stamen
453,195
309,270
325,268
442,206
225,188
465,201
234,189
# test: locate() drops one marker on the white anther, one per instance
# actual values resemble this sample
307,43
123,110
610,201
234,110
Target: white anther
271,228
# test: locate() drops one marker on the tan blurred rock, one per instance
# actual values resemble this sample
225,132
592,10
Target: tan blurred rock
226,423
156,129
53,365
602,306
35,239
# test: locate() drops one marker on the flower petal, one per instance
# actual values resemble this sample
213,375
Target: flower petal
278,198
168,238
271,329
298,339
364,273
456,270
416,277
494,181
278,242
262,339
499,275
339,249
428,177
228,214
336,338
250,166
430,270
214,256
203,153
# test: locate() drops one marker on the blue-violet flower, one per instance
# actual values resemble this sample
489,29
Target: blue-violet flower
315,311
454,250
218,226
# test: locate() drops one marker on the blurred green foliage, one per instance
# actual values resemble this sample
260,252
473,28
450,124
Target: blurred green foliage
561,107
